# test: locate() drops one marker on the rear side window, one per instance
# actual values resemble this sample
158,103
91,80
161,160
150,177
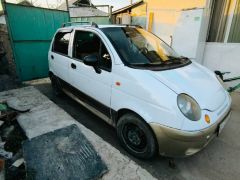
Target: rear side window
61,43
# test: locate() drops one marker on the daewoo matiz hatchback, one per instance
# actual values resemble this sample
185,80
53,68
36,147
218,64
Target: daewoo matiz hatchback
158,101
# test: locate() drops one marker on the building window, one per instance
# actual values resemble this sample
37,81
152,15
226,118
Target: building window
218,22
234,35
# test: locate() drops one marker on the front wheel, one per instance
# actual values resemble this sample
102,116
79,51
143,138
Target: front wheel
136,136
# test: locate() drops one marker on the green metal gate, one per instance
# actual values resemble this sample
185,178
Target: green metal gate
31,30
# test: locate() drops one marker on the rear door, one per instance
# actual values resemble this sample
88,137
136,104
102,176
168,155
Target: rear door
94,88
59,60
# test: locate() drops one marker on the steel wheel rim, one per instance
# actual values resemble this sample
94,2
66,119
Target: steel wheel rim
134,137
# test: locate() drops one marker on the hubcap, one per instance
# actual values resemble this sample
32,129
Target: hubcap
134,137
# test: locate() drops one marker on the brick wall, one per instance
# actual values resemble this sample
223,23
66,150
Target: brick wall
4,38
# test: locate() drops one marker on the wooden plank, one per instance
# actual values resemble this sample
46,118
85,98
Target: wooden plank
150,21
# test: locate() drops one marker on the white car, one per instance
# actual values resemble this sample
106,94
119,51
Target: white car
158,101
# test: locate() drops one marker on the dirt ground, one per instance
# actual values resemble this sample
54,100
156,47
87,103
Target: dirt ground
219,160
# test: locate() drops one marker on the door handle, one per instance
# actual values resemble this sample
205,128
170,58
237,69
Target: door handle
52,57
73,66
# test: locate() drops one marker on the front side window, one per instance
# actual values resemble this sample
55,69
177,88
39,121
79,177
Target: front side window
139,48
88,43
61,43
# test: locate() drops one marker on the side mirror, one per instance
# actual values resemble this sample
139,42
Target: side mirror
92,60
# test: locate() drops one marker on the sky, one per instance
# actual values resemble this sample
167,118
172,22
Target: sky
116,3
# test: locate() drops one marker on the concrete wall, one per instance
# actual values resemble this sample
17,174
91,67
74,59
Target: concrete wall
86,12
2,19
224,57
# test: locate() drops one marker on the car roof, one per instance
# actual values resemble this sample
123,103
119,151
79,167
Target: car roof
75,25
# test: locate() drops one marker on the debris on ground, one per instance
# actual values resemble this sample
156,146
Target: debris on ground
11,139
2,144
3,107
18,162
7,114
2,162
4,154
8,82
15,104
6,132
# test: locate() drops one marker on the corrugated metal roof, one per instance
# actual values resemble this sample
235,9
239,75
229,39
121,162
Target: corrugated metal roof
128,7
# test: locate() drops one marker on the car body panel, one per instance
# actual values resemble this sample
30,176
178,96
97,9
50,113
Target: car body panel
59,64
179,143
195,82
150,101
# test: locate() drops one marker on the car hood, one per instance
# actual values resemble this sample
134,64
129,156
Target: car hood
196,81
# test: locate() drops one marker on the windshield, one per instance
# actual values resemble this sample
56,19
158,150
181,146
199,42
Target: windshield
138,47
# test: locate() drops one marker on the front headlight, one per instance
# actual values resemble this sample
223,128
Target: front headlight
189,107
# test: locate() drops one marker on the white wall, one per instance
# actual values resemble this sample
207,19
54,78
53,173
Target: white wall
186,34
2,19
126,18
186,21
223,57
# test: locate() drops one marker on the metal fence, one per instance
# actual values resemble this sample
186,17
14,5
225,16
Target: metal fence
31,30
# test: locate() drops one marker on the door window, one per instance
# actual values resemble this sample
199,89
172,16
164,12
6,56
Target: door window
61,43
88,43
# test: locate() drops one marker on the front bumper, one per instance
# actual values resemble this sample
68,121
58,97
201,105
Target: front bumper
177,143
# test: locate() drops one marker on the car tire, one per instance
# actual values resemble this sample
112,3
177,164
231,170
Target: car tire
56,86
136,136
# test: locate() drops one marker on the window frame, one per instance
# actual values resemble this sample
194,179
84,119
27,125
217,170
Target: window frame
102,41
228,24
70,31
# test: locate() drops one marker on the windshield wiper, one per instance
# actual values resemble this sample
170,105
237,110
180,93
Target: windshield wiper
172,60
140,64
176,60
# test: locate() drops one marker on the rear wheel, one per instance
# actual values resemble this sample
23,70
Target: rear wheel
136,136
56,86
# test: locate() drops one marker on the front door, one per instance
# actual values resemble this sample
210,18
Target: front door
95,87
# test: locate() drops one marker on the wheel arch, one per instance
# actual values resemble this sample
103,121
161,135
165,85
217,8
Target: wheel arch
123,111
